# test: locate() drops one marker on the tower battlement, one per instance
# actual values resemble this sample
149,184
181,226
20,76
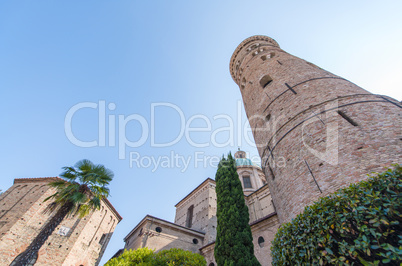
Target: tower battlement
246,47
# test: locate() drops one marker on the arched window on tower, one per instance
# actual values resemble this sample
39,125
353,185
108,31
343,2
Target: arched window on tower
247,181
261,242
265,81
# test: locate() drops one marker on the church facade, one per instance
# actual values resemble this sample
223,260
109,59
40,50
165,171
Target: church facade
194,227
315,133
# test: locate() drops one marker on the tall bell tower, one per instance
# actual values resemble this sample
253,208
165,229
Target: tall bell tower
315,132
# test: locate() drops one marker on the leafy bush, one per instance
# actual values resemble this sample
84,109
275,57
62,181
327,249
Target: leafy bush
147,257
177,256
358,225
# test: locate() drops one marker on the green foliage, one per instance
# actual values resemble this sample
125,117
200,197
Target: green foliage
139,256
82,188
234,242
358,225
177,256
146,257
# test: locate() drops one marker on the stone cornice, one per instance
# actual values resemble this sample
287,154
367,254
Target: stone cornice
36,179
262,219
249,166
56,178
207,245
265,186
155,219
196,189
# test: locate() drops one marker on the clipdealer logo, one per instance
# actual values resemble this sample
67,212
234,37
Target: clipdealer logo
113,131
112,128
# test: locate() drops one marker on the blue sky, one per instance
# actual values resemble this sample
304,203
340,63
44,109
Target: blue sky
174,56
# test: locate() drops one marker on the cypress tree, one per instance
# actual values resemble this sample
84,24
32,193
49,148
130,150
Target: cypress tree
234,242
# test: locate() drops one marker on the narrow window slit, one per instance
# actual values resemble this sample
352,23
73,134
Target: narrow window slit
189,218
347,118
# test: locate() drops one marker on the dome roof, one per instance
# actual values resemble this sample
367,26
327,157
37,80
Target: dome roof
245,162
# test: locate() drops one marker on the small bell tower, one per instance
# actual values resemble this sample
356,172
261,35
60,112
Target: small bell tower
250,174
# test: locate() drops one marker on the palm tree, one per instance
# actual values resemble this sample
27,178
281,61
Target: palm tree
79,191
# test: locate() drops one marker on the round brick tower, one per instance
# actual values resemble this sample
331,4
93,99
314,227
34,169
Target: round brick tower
315,132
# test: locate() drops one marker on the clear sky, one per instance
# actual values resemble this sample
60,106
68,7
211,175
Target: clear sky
114,80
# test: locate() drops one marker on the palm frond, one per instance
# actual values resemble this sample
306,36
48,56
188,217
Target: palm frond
79,198
84,165
100,191
50,197
70,173
57,183
82,188
52,207
83,210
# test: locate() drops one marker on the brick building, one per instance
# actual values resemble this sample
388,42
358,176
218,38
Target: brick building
315,132
195,222
74,242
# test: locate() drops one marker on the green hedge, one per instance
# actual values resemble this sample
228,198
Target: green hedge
147,257
358,225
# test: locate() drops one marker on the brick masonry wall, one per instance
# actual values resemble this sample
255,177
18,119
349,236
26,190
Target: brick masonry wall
208,253
95,233
259,204
204,198
315,132
22,218
265,229
204,201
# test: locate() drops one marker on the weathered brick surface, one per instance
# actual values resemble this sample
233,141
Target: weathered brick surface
208,253
22,218
298,131
203,198
259,204
265,229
